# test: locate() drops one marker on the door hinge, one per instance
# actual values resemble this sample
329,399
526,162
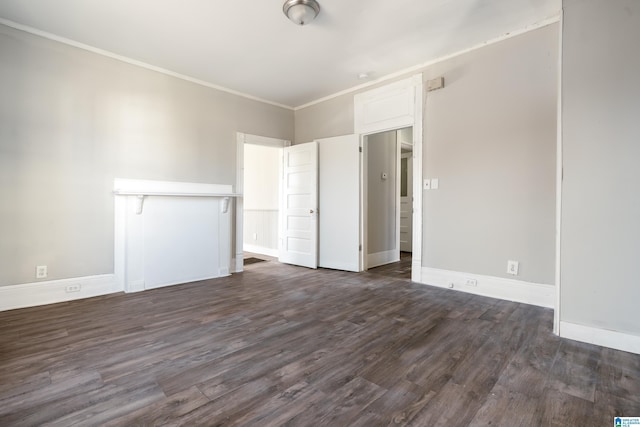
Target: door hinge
360,149
360,248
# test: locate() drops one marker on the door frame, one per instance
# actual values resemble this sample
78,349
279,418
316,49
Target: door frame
391,107
237,264
408,156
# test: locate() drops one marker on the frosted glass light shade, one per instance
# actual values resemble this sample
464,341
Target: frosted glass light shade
301,12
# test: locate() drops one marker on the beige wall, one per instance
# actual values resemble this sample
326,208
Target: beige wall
601,150
490,137
71,121
381,153
324,120
491,140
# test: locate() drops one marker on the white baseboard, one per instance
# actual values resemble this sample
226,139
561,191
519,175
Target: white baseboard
53,291
237,263
261,250
416,271
489,286
382,258
603,337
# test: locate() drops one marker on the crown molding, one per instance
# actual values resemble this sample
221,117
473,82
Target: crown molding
135,62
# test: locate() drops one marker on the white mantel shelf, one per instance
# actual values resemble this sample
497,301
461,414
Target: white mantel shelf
143,187
172,194
140,189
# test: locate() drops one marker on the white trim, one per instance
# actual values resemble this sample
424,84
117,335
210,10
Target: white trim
236,261
135,62
397,190
558,277
265,141
364,202
412,69
382,258
418,145
142,286
400,94
125,187
50,36
53,291
262,250
495,287
415,81
602,337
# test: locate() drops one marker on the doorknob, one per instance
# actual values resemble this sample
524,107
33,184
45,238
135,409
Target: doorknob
310,211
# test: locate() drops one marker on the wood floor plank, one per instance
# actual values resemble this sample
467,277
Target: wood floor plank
283,345
163,412
575,370
507,407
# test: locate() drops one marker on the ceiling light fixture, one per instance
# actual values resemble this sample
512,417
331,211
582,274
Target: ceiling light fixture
301,12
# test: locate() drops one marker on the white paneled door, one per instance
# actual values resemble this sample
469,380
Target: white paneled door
339,164
299,202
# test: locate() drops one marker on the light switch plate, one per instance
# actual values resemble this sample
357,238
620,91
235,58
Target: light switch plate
435,183
427,184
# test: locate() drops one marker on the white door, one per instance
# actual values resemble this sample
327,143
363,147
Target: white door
339,195
299,201
406,202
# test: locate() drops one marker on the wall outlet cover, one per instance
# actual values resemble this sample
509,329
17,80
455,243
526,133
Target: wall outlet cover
73,288
41,272
513,267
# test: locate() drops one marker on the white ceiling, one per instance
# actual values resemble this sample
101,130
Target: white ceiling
249,46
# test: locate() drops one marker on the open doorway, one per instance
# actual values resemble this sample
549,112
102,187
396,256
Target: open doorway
388,199
261,199
259,164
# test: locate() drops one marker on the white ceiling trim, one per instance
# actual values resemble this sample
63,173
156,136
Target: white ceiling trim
131,61
548,21
413,69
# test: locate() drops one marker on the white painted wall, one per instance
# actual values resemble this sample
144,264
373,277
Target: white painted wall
381,193
261,197
601,148
71,121
490,138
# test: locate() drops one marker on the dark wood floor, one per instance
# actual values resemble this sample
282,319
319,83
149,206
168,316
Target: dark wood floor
280,345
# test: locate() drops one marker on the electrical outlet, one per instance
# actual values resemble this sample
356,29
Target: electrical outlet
72,288
512,267
471,282
41,272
